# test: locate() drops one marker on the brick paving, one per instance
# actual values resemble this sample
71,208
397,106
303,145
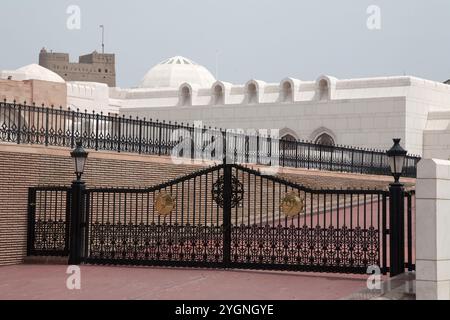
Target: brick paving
33,166
43,282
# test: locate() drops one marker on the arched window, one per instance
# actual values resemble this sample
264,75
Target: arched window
323,89
218,95
186,98
288,137
286,92
252,93
288,142
325,139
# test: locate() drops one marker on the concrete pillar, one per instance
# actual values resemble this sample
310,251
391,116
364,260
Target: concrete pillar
433,230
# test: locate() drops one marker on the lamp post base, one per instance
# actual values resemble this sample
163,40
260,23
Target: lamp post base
397,228
76,218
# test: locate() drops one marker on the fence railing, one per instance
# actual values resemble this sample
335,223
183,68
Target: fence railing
226,216
24,124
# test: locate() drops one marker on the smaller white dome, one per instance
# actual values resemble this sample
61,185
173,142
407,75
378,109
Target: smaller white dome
173,72
37,72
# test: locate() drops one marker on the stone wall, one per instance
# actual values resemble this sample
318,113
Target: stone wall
22,167
94,67
34,91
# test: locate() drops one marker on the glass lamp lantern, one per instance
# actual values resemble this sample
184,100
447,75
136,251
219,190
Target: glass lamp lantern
80,156
396,157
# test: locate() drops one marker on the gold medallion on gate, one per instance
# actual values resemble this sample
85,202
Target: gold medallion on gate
292,205
164,204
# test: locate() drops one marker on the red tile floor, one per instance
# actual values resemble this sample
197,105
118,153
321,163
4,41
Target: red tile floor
150,283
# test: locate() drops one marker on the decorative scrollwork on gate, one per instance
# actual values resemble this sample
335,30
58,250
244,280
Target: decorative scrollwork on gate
237,191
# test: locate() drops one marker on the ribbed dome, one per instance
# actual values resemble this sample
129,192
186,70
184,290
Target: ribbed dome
175,71
37,72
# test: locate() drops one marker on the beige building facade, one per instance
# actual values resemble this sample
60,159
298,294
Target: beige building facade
93,67
33,84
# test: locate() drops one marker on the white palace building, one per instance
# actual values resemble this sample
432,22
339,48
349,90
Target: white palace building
366,112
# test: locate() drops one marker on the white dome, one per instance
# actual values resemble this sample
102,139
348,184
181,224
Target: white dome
37,72
175,71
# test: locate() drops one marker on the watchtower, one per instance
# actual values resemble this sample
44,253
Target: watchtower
93,67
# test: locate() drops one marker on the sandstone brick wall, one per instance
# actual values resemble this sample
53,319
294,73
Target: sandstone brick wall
94,67
22,167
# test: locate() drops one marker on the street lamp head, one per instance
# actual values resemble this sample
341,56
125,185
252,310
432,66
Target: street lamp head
79,155
396,157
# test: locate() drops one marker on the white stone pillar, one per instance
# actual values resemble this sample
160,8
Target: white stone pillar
433,230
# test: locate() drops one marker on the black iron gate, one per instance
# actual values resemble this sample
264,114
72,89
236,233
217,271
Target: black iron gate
48,221
227,216
328,230
174,224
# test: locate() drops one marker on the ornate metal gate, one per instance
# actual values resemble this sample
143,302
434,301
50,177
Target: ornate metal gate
283,225
227,216
232,216
175,224
48,221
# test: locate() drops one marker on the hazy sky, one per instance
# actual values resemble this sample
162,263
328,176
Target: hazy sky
264,39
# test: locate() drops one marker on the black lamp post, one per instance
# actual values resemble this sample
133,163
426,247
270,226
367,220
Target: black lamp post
396,157
77,209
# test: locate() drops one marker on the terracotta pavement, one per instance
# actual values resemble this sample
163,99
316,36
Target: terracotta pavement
44,282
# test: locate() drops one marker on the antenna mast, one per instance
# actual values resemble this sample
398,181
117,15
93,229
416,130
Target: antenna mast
103,38
217,64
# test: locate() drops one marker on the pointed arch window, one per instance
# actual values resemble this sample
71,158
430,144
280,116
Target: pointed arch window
288,137
288,142
325,139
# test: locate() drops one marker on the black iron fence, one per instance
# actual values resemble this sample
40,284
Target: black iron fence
23,124
227,216
410,235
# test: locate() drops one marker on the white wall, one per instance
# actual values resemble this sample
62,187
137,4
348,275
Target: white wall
437,136
432,230
90,96
364,113
370,123
424,97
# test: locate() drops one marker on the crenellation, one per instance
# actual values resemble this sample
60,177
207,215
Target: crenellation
93,67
